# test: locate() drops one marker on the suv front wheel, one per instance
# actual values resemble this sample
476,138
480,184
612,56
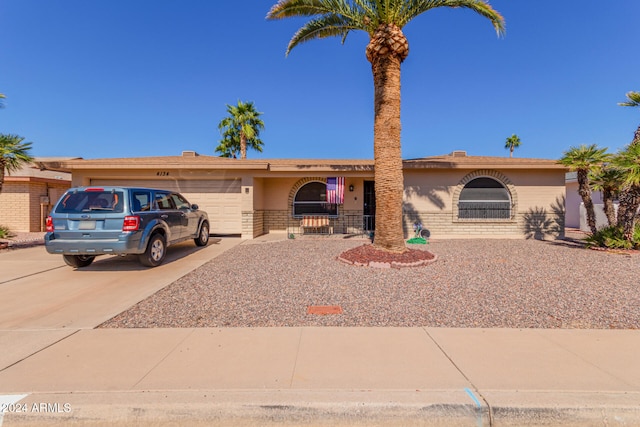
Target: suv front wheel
156,250
203,235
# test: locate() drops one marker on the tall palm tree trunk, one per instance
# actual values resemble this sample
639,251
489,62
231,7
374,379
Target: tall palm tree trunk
2,167
609,210
243,145
629,204
387,152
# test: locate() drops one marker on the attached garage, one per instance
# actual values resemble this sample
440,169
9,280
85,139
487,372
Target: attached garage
220,198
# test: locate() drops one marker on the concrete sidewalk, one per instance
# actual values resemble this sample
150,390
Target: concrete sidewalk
321,376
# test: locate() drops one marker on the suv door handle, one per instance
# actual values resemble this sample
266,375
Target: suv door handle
164,216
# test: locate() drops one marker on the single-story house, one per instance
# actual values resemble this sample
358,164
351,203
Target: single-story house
28,194
453,195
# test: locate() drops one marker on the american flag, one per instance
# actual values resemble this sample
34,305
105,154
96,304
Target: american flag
335,190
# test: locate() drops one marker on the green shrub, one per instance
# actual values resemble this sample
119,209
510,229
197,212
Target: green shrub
612,237
5,233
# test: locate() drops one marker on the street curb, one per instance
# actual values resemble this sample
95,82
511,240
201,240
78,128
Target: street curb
302,408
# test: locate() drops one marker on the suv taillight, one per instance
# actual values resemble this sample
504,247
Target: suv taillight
131,223
49,224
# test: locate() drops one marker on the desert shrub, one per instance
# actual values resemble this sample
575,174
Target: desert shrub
5,233
612,237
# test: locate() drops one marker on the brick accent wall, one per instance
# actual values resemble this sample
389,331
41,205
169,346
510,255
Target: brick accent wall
252,224
280,221
276,220
20,203
538,224
14,206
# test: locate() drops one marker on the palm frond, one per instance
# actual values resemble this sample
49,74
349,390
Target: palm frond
633,100
629,161
585,157
336,18
14,152
325,26
291,8
412,8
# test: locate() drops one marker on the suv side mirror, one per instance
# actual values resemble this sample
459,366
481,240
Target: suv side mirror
194,207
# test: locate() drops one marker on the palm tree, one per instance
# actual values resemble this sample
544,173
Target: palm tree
512,143
240,129
630,191
633,100
1,98
383,20
585,160
608,180
629,161
13,154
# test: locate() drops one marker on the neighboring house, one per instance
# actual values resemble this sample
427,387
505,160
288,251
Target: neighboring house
27,196
452,196
576,216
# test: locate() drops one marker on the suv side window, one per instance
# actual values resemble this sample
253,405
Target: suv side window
141,201
180,201
164,201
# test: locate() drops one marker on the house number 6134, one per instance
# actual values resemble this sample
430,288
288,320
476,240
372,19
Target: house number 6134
161,173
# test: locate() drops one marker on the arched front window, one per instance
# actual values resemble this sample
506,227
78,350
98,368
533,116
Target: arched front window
484,198
311,199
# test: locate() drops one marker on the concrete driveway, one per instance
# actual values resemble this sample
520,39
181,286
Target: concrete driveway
39,291
43,301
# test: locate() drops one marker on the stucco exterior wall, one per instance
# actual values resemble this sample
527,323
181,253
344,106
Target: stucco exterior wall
537,196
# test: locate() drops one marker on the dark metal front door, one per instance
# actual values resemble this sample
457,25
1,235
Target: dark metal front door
369,206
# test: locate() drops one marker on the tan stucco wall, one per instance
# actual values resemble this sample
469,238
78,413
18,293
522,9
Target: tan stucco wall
277,192
537,197
84,177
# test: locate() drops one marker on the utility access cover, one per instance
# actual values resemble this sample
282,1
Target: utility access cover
324,309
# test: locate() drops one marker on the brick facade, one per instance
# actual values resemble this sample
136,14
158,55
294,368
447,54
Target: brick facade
20,207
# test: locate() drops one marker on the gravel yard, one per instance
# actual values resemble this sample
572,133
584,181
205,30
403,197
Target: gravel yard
474,283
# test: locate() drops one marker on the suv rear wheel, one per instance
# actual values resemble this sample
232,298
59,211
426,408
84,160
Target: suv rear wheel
203,235
78,261
156,250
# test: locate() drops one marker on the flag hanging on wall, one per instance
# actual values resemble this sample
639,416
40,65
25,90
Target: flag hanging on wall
335,190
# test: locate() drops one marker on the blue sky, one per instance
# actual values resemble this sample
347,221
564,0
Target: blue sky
130,78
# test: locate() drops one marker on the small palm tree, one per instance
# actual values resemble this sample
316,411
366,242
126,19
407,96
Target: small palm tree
512,143
383,21
608,179
629,161
13,154
627,197
240,129
585,160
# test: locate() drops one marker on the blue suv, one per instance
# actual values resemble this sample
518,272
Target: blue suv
91,221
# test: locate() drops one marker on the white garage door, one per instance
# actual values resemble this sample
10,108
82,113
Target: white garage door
221,199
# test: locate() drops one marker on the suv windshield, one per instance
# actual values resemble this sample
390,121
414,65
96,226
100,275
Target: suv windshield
87,201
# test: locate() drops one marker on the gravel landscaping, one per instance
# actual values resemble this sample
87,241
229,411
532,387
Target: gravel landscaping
473,283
